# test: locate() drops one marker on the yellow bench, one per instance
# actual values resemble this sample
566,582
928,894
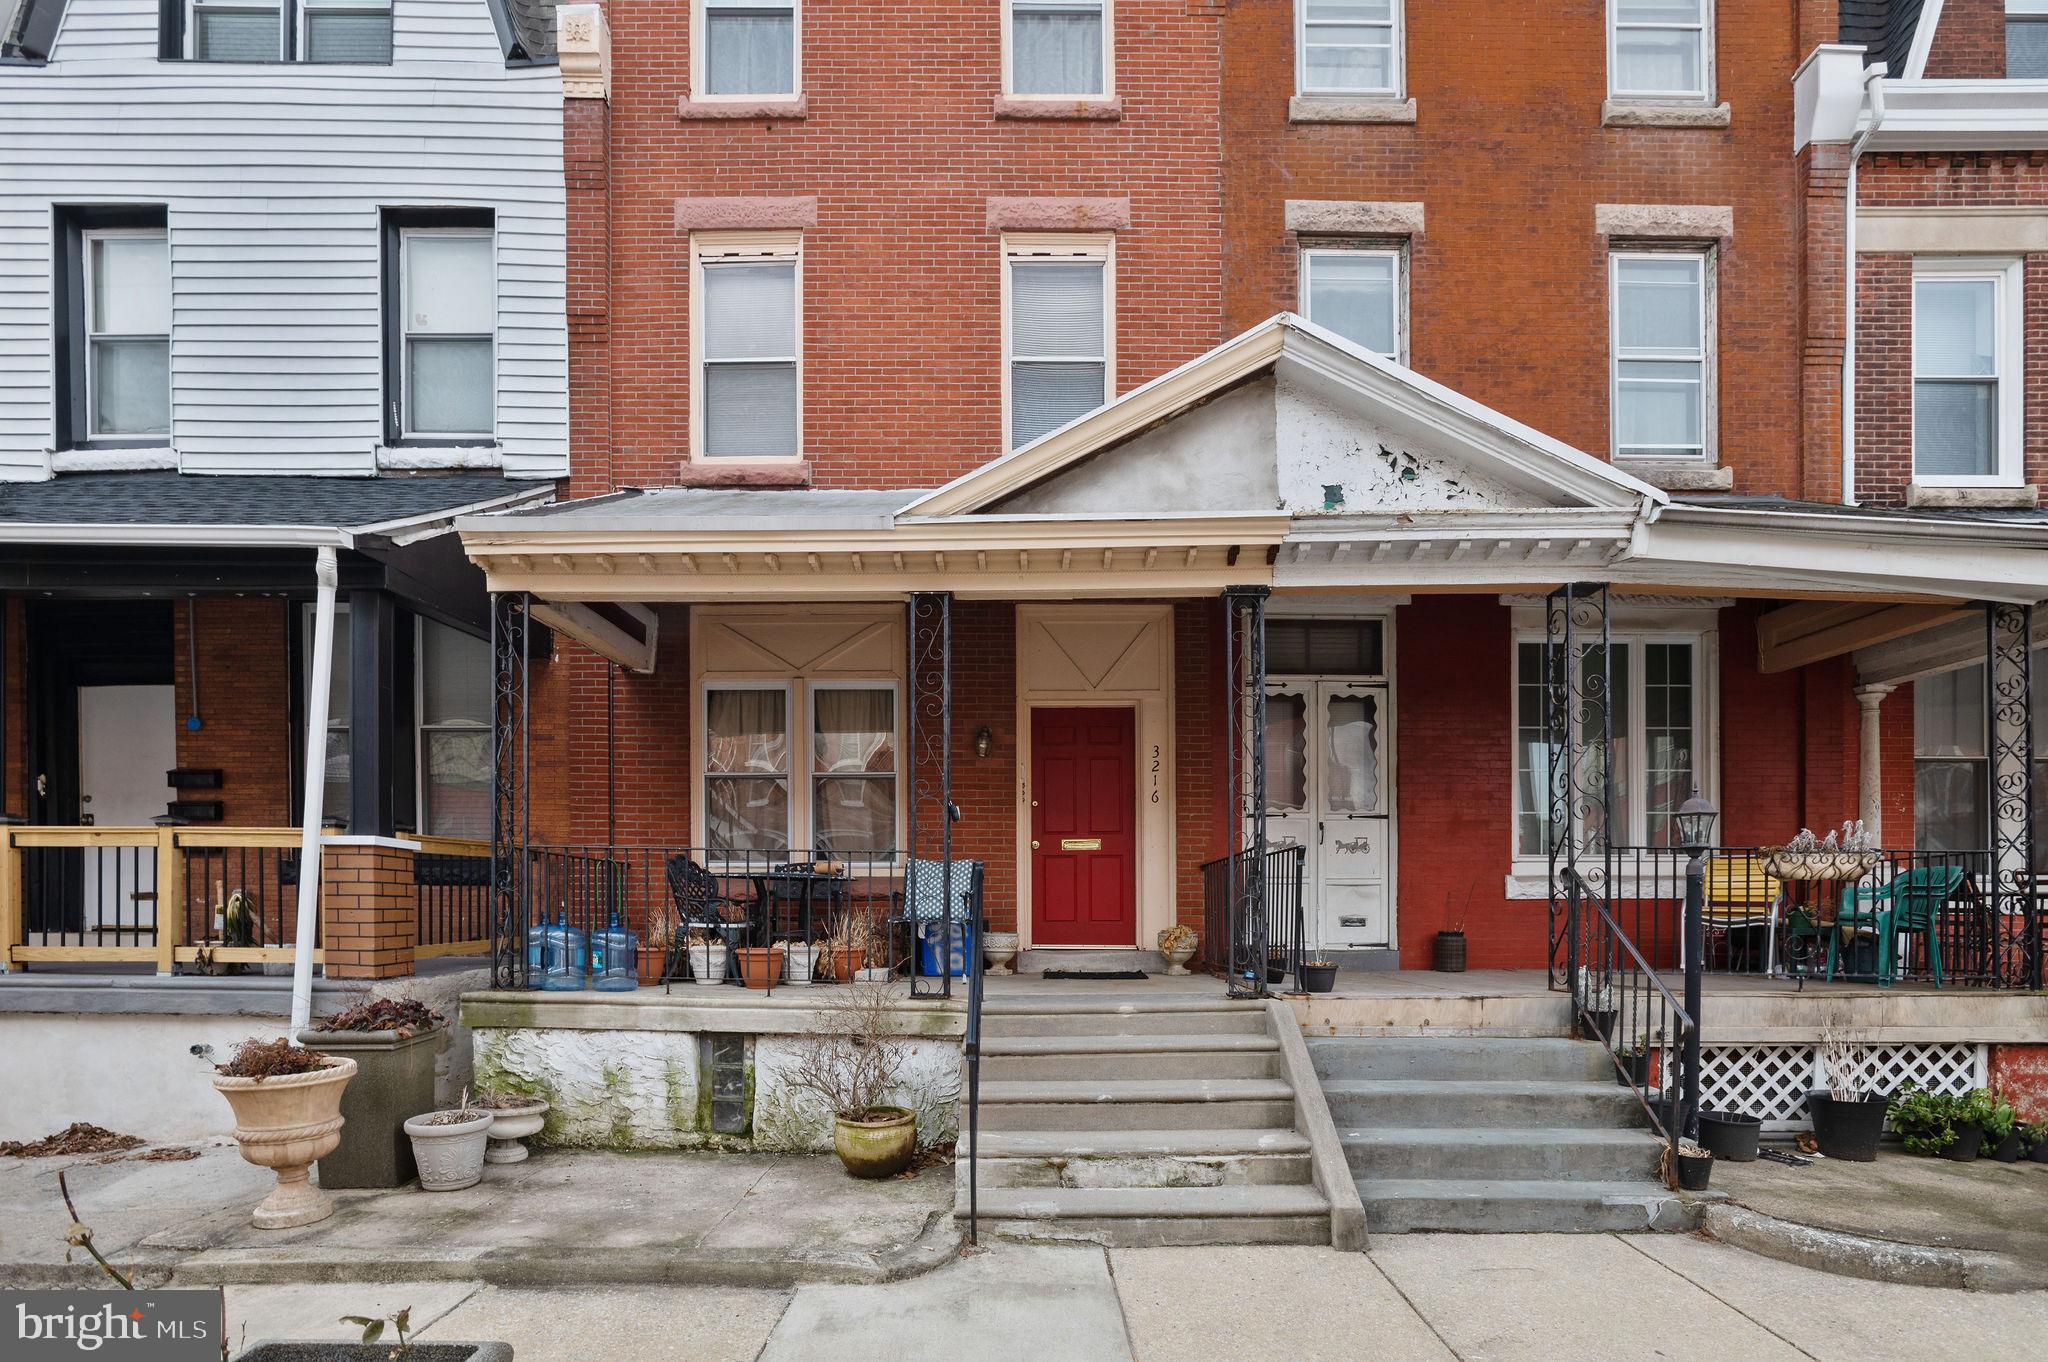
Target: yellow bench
1739,893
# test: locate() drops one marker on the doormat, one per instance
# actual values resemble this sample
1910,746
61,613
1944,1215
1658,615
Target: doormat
1095,974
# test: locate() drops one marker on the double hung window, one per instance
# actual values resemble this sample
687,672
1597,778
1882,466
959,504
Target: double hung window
1662,391
127,325
1058,48
1059,331
1359,294
1348,47
801,763
1966,384
746,48
445,335
748,344
1660,49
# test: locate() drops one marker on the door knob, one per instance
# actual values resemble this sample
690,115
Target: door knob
1034,844
1034,803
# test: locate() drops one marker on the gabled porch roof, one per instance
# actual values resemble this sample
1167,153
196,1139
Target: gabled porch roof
1286,457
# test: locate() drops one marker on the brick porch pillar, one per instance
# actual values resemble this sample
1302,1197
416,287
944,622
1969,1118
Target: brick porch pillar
368,907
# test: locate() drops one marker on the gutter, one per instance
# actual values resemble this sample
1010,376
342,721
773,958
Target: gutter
1873,94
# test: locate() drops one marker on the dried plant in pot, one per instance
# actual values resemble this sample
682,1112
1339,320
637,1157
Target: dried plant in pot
1848,1119
287,1105
1177,946
514,1117
394,1042
852,1058
449,1146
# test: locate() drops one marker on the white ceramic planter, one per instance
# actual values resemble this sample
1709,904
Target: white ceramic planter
707,962
510,1125
800,963
450,1157
874,974
1001,948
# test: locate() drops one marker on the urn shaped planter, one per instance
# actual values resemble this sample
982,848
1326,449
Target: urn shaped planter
512,1124
999,949
450,1157
284,1123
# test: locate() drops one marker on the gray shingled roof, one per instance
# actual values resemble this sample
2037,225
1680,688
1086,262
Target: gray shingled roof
713,508
167,498
1884,27
533,25
2025,516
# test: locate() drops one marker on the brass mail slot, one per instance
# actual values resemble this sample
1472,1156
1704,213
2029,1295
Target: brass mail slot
1080,844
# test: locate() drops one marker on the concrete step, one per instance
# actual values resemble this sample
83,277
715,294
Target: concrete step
1458,1057
1140,1158
1132,1217
1041,958
1512,1206
1135,1104
1557,1153
1089,1017
1377,1103
1226,1055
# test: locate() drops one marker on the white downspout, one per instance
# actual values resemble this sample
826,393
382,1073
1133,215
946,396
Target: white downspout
318,682
1873,96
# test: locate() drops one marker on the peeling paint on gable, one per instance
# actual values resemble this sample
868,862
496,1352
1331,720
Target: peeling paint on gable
1336,462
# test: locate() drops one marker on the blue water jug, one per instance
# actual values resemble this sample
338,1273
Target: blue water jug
614,958
537,952
565,955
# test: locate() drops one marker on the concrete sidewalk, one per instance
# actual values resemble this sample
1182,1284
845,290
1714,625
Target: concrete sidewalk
1415,1298
558,1219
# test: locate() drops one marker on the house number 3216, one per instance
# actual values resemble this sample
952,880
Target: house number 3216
1155,773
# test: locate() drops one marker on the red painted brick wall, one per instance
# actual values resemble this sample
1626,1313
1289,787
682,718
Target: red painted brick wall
902,150
2020,1074
1508,297
1969,42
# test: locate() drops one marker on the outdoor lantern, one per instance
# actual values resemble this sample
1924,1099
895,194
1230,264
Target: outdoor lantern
1695,819
984,741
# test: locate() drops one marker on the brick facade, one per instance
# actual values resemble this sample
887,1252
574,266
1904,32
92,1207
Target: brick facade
1969,42
366,909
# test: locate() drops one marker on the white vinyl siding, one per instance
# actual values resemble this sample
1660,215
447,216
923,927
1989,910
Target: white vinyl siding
1661,341
127,305
1057,341
747,308
1660,49
1358,294
1966,372
1057,48
1348,47
274,182
448,329
748,47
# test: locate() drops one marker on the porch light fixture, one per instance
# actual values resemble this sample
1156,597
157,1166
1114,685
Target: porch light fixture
984,741
1695,820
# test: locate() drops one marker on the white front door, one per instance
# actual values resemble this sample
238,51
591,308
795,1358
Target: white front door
1327,788
127,745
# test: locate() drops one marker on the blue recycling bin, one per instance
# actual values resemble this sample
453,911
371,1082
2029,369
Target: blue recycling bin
931,942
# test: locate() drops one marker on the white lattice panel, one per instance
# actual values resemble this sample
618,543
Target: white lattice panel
1772,1081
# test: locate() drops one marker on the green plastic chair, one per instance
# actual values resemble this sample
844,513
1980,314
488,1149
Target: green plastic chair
1904,905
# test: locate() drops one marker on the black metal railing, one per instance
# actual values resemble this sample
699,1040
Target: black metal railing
89,896
1920,917
451,898
241,896
1252,916
699,912
1621,1000
971,1052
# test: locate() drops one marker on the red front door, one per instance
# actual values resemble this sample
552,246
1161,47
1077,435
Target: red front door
1084,844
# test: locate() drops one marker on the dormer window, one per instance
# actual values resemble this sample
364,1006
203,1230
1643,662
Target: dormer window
321,31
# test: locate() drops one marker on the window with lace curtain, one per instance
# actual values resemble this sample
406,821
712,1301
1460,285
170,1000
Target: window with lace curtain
1660,49
745,49
810,764
1058,48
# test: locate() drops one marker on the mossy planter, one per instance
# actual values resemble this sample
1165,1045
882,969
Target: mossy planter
878,1148
394,1079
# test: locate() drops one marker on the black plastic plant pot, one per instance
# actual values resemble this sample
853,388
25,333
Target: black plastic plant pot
2039,1154
1450,952
1634,1071
1847,1130
1731,1135
1968,1143
292,1350
1600,1023
1318,977
2011,1149
1694,1172
1276,970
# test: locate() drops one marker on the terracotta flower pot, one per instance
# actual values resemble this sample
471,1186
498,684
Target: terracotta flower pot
760,966
284,1124
878,1148
844,961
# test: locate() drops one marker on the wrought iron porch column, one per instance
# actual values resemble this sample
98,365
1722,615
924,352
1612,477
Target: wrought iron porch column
1244,634
1578,737
929,632
511,822
2009,789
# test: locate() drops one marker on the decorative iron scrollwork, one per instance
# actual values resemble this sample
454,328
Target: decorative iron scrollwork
511,822
929,632
2009,720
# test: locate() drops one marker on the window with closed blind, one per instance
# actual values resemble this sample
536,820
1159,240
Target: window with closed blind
442,326
1058,342
1662,347
322,31
748,395
1058,48
1966,372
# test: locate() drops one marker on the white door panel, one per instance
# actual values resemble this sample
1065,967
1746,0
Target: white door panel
127,742
1327,787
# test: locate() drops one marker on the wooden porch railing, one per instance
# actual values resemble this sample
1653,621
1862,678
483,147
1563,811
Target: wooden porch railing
209,896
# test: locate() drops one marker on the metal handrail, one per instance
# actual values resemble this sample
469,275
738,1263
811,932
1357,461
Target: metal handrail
971,1049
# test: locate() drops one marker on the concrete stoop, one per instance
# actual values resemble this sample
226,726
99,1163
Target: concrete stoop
1167,1121
1508,1135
